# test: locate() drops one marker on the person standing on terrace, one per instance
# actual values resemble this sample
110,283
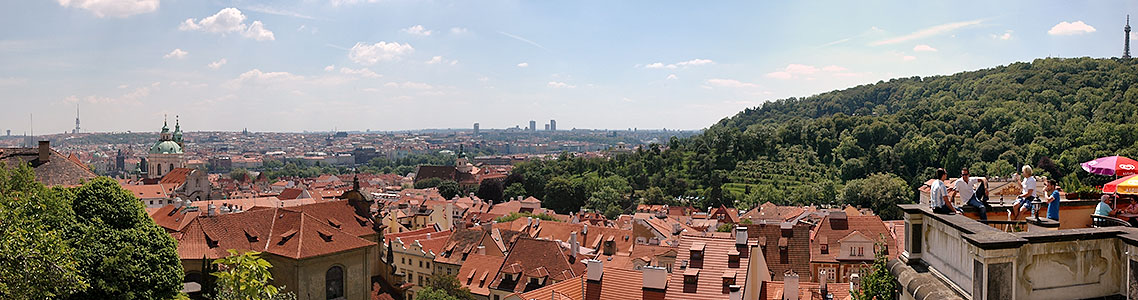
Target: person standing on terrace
1026,196
1052,194
964,186
939,194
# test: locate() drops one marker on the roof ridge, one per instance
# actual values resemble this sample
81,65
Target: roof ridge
272,229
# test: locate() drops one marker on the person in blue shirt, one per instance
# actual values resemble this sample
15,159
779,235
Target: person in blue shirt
1103,208
1052,196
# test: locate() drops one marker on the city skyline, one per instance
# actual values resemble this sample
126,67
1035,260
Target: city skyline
391,66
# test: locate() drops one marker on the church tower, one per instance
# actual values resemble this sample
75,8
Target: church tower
166,154
1125,45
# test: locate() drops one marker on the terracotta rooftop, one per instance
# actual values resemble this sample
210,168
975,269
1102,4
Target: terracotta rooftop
528,255
176,177
145,191
832,229
58,170
712,263
281,232
478,271
774,290
795,255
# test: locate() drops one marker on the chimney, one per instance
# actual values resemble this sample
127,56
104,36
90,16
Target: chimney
45,151
736,292
211,210
855,283
519,198
487,226
654,278
481,250
573,246
594,269
790,286
740,236
585,230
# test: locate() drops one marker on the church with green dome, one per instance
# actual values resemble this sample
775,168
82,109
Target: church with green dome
167,154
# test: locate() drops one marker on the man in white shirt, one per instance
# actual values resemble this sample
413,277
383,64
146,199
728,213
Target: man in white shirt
965,186
939,194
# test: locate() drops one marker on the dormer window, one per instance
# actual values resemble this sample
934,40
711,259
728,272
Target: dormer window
691,276
696,251
825,249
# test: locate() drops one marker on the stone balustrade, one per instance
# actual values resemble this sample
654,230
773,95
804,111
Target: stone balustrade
977,261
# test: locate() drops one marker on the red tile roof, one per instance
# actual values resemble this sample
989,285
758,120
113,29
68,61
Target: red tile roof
145,191
478,271
176,177
528,255
830,230
281,232
794,256
713,263
773,290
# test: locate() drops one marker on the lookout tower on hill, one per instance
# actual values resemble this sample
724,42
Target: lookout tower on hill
1126,44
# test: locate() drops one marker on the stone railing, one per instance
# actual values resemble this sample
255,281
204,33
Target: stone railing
978,261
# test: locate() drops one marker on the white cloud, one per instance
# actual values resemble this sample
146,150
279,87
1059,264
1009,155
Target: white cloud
364,72
113,8
349,2
329,68
176,54
441,60
560,85
417,30
1072,28
671,77
1006,36
524,40
798,70
409,85
780,75
833,69
256,76
280,12
229,20
730,83
682,64
131,97
927,32
924,48
908,58
458,30
217,64
523,65
366,54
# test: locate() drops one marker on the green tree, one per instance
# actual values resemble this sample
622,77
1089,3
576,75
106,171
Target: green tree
606,200
239,174
449,188
561,195
490,189
35,260
879,283
449,285
119,248
428,183
429,293
513,191
246,276
654,195
880,192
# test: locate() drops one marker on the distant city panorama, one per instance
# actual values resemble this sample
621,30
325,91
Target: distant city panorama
1006,168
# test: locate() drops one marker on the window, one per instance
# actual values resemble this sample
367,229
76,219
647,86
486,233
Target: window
334,283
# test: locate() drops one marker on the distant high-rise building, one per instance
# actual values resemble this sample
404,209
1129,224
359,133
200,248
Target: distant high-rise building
9,133
76,130
546,127
553,125
476,129
1126,44
532,125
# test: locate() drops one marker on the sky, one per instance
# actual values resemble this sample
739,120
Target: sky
319,65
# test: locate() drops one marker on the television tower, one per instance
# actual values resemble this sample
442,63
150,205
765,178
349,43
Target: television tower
76,130
1126,45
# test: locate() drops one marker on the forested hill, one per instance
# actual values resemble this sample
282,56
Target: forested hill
1050,113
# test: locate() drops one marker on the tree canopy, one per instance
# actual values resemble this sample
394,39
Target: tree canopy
1053,112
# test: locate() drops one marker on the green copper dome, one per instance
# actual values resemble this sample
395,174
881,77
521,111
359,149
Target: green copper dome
166,147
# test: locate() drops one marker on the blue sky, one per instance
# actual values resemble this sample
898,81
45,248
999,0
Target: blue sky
399,64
